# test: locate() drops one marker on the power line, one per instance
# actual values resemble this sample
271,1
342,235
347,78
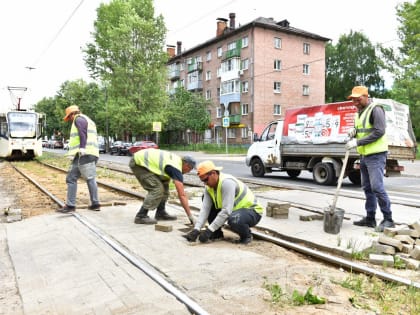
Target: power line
57,34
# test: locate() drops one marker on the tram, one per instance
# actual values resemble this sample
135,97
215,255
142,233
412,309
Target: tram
21,134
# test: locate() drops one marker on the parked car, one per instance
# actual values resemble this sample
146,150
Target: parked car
102,147
119,148
141,145
45,143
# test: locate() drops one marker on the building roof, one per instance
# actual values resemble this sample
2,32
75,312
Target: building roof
268,23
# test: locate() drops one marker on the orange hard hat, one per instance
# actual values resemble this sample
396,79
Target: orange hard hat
69,110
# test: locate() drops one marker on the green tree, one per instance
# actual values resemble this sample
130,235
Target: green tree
87,96
127,54
353,61
406,69
185,110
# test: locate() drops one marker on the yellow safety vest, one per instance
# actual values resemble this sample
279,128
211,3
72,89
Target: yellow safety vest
243,199
156,160
364,128
92,147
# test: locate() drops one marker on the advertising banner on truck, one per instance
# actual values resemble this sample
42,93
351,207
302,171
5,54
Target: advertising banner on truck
330,123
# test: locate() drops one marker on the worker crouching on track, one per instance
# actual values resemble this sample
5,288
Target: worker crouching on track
225,199
154,169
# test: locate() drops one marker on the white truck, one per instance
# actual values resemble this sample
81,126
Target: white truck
313,138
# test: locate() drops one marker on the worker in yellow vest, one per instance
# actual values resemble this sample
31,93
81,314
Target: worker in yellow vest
154,169
83,146
226,199
368,136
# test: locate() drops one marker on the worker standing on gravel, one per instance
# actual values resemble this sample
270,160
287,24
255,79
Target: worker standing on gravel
368,136
225,199
83,145
154,169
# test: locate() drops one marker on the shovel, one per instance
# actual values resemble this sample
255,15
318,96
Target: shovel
333,218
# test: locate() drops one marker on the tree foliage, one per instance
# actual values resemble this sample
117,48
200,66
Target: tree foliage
127,54
406,87
353,61
87,96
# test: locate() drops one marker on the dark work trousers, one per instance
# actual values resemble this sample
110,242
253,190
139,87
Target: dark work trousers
239,221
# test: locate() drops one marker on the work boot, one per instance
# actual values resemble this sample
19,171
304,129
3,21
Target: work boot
66,209
161,213
143,218
217,235
386,223
245,240
366,221
95,207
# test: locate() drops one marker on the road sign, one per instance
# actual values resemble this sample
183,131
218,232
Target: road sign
157,126
226,121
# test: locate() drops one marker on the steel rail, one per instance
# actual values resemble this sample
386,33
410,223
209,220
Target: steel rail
148,269
337,260
141,264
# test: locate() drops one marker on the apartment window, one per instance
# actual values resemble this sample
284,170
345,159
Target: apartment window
245,87
277,109
181,83
306,48
277,42
277,64
218,91
244,132
245,42
208,75
305,90
244,109
229,87
208,56
231,46
219,112
208,94
277,86
181,66
306,69
219,51
231,133
245,64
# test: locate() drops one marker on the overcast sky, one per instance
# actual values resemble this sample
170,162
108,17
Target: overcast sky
48,34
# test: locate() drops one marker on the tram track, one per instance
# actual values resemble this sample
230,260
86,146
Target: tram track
120,195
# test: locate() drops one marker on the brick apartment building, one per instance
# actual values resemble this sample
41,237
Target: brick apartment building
251,74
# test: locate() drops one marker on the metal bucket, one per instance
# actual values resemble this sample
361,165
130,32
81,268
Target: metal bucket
333,220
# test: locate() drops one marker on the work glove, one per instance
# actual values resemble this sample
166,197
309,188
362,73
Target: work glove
352,133
205,236
193,220
192,235
351,144
82,151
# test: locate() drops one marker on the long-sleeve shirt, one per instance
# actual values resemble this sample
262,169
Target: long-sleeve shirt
229,187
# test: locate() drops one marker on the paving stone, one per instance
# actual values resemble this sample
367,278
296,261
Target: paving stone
415,253
386,260
404,239
382,248
163,227
390,241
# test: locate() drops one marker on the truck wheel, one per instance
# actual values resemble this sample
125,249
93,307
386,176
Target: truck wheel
293,173
323,174
355,178
257,168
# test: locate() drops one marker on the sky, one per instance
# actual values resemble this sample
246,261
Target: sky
42,40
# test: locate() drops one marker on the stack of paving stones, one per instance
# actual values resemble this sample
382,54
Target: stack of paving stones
277,210
402,242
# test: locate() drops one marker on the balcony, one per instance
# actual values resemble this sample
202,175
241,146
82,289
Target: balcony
196,85
198,66
235,119
173,74
231,53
